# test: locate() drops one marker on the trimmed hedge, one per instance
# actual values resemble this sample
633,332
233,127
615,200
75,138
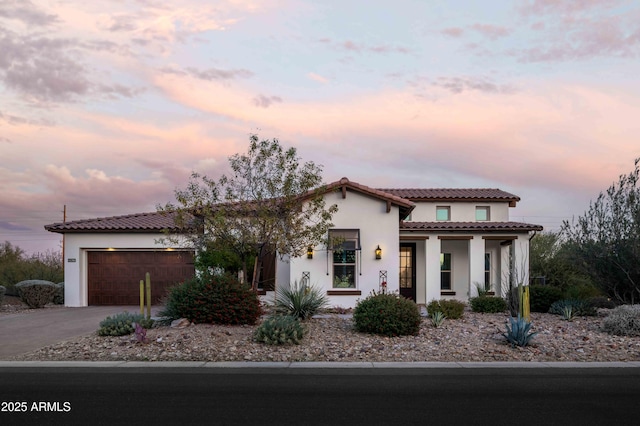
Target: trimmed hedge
452,309
215,300
36,293
541,297
488,304
387,314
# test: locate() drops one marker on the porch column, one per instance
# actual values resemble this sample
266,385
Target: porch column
476,264
505,271
433,249
521,260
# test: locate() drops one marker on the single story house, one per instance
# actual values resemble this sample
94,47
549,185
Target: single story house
423,243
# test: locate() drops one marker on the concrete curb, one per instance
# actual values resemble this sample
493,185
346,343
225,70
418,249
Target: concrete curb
308,365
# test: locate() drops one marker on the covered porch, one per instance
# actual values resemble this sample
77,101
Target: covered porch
446,266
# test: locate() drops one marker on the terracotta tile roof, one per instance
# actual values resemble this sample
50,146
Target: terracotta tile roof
469,226
452,194
377,193
141,222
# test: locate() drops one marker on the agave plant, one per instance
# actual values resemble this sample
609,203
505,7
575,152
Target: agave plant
568,313
300,301
519,333
437,318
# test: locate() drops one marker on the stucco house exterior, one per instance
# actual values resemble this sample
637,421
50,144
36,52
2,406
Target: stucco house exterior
423,243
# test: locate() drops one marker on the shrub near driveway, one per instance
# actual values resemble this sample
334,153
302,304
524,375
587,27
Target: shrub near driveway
36,293
220,299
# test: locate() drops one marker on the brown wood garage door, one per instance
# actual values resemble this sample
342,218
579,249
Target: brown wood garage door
114,276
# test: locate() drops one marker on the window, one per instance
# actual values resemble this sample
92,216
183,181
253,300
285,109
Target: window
482,213
344,244
487,271
408,218
445,271
443,213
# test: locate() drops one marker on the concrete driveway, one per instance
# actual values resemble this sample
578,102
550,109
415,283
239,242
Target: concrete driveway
28,331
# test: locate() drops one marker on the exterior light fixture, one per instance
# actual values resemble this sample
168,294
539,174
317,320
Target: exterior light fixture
309,252
378,252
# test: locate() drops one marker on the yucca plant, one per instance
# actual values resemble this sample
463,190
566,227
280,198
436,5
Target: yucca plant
437,318
568,313
300,301
519,333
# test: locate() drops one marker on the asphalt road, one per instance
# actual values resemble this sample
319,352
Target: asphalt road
408,396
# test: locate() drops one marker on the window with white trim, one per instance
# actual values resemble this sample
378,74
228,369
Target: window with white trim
483,213
344,245
445,271
443,213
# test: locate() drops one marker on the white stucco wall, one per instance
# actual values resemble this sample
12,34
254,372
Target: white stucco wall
75,258
377,227
460,211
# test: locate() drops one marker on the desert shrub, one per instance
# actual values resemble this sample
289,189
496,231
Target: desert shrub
219,299
387,314
488,304
623,321
582,292
300,301
541,297
279,330
519,334
601,302
576,306
2,291
58,298
452,309
36,293
122,324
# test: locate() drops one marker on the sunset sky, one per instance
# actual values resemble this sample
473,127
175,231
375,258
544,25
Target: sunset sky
106,106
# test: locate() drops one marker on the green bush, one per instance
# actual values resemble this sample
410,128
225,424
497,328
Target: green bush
582,292
279,330
577,308
518,334
387,314
220,299
452,309
36,293
601,302
623,321
488,304
300,301
58,298
2,291
122,324
541,297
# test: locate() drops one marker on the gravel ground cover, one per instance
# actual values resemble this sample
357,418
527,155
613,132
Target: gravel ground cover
475,337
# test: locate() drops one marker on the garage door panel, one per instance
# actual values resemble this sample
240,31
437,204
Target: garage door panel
114,276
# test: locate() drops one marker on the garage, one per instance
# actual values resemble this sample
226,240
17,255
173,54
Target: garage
114,276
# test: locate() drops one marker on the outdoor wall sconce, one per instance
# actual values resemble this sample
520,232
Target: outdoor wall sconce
309,252
378,252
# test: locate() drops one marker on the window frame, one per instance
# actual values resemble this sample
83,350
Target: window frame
443,258
487,271
443,208
344,256
486,209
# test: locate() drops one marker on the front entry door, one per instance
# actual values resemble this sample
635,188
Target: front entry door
408,270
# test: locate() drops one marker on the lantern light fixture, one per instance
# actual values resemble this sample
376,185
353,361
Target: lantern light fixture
378,252
309,252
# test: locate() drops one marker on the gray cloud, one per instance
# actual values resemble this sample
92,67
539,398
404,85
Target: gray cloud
263,101
352,46
15,120
209,74
8,226
461,84
25,11
123,23
5,140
